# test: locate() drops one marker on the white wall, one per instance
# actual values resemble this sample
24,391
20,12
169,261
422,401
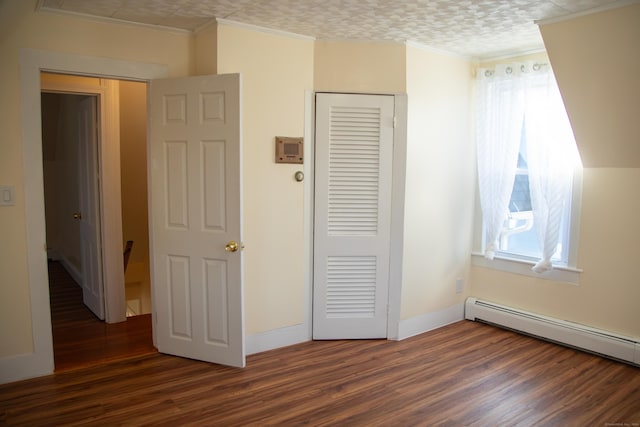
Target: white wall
365,67
206,45
440,182
596,60
276,72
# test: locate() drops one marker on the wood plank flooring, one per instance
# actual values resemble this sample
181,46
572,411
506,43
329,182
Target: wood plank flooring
467,374
79,338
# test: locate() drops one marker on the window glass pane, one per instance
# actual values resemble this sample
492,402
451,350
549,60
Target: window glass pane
523,241
520,195
518,235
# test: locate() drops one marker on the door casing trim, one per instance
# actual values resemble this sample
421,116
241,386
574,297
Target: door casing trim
397,208
32,62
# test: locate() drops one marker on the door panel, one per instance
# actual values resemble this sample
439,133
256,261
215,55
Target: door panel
354,148
89,215
195,210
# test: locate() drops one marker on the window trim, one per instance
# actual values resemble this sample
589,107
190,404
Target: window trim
517,264
500,262
574,227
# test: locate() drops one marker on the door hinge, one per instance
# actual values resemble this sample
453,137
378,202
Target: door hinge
394,122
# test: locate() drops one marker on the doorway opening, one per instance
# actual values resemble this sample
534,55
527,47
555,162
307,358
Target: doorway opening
80,337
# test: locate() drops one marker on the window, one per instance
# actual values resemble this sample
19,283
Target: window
527,159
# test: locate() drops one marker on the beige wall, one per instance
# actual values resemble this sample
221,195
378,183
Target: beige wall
133,171
608,293
596,61
21,27
276,72
206,46
359,67
440,182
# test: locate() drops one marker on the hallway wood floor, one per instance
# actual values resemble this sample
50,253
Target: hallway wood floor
80,339
465,374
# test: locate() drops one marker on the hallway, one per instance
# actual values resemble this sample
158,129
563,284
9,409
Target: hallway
79,338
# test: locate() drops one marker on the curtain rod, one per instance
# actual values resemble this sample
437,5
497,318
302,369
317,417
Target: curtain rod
509,69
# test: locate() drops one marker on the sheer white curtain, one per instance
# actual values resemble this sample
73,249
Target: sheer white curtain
552,155
499,126
510,97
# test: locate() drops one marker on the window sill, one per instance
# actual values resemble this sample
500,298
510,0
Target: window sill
517,266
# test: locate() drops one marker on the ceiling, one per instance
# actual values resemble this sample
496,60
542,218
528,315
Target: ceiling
474,28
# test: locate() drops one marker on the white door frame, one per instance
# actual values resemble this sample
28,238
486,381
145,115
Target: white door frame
397,208
32,62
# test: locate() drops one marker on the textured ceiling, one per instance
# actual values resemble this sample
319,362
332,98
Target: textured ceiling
477,28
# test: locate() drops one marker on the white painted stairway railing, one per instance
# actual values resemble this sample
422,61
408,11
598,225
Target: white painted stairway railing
594,340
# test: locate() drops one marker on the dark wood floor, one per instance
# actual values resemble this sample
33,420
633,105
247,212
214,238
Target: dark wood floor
79,338
467,374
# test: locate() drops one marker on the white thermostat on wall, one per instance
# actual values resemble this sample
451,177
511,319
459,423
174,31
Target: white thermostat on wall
289,150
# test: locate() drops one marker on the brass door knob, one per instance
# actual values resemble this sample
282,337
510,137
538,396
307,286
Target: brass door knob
77,215
231,246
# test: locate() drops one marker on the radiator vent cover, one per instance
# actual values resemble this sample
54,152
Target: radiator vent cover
571,334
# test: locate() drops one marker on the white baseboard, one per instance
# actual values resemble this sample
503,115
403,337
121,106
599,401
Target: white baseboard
575,335
71,269
277,338
55,255
430,321
297,334
24,366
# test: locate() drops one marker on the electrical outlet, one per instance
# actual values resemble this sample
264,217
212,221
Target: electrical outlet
459,285
7,195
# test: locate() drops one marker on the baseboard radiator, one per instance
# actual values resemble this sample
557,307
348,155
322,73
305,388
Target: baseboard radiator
571,334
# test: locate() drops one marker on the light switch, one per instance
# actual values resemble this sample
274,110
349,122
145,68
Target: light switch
7,195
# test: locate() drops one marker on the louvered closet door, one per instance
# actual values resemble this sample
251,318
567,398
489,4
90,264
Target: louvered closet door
354,146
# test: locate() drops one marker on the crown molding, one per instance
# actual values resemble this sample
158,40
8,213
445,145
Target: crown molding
231,23
211,23
345,40
438,51
615,5
510,54
108,20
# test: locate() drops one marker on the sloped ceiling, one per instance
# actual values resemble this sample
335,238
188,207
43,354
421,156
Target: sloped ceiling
596,61
474,28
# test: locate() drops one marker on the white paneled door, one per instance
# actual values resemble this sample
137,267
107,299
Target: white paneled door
195,148
353,165
89,213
